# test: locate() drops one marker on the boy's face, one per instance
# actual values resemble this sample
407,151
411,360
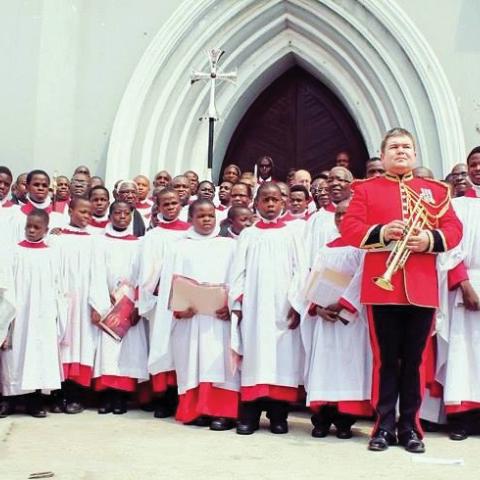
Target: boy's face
239,222
80,214
99,201
35,228
206,191
143,187
169,206
182,186
121,216
63,188
203,219
270,203
5,182
38,188
298,202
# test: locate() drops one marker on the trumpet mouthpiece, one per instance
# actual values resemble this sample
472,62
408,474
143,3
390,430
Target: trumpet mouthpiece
383,283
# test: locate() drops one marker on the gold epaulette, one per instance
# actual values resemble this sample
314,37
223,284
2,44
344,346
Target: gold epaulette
358,181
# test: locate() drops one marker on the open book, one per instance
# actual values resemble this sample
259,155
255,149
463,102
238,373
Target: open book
118,320
204,298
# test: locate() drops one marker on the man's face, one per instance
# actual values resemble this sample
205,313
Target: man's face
169,206
38,188
231,174
338,186
224,192
79,185
474,168
399,155
5,182
193,181
319,192
182,186
264,169
20,187
303,178
128,194
239,196
63,188
143,187
206,191
375,169
342,160
162,179
298,202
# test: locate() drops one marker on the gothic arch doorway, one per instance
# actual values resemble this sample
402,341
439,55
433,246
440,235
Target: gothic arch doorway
300,123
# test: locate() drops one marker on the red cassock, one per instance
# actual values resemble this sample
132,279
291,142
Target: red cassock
378,201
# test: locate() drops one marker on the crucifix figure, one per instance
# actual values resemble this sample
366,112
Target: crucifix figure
214,55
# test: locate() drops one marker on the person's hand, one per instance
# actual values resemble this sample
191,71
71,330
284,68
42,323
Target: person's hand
239,315
293,319
185,314
470,297
55,231
419,243
327,315
223,313
95,317
334,307
393,230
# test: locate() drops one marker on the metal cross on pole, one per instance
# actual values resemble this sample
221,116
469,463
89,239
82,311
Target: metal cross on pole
215,74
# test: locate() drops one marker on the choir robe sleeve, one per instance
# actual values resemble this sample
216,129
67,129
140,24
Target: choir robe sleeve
98,295
350,299
150,270
61,296
300,269
7,291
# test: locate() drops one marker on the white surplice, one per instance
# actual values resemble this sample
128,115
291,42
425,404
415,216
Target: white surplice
462,379
338,357
33,361
115,260
157,248
269,266
319,230
201,344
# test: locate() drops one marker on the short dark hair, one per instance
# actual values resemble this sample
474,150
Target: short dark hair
247,186
164,191
75,200
198,203
42,214
6,171
32,173
396,132
98,187
266,186
116,203
300,188
234,211
473,152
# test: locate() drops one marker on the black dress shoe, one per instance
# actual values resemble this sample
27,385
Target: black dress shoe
105,408
73,407
279,427
320,431
458,435
6,408
247,428
119,403
221,423
411,441
37,412
202,421
381,441
344,433
162,411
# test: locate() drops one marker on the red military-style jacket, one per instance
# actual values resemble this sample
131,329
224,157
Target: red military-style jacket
378,201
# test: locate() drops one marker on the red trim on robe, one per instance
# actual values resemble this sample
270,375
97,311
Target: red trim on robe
471,193
143,205
174,225
207,400
462,407
27,244
338,242
7,204
126,237
126,384
357,408
66,231
60,206
347,305
457,275
78,373
273,392
160,382
98,223
268,225
29,207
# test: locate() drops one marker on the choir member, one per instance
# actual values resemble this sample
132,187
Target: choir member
144,204
100,199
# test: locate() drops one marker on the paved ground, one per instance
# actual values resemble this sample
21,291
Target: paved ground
135,446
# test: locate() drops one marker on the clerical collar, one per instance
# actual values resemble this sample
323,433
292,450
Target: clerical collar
277,222
193,235
399,178
42,205
175,224
123,235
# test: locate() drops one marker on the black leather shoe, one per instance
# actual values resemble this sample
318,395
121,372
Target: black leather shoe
221,423
73,407
381,441
162,411
279,427
37,412
344,433
247,428
6,408
202,421
105,407
458,435
119,404
320,431
34,406
411,441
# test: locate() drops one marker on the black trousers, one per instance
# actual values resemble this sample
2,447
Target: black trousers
328,414
250,412
399,336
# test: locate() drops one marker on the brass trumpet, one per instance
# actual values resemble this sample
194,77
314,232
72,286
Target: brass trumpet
400,253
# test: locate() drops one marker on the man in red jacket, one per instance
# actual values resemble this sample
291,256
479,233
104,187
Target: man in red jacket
401,311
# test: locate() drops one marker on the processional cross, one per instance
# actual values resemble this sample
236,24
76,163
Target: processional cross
215,74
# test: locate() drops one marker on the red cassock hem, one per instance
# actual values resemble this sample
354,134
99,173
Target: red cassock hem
358,408
78,373
207,400
125,384
462,407
161,381
273,392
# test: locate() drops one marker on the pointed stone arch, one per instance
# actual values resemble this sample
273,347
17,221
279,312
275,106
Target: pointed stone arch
367,51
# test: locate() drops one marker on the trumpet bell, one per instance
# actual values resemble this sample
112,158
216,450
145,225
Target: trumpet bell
383,283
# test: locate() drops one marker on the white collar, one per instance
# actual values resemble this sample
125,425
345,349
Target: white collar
193,235
45,204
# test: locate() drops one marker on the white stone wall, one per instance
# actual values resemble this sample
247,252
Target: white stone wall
66,64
